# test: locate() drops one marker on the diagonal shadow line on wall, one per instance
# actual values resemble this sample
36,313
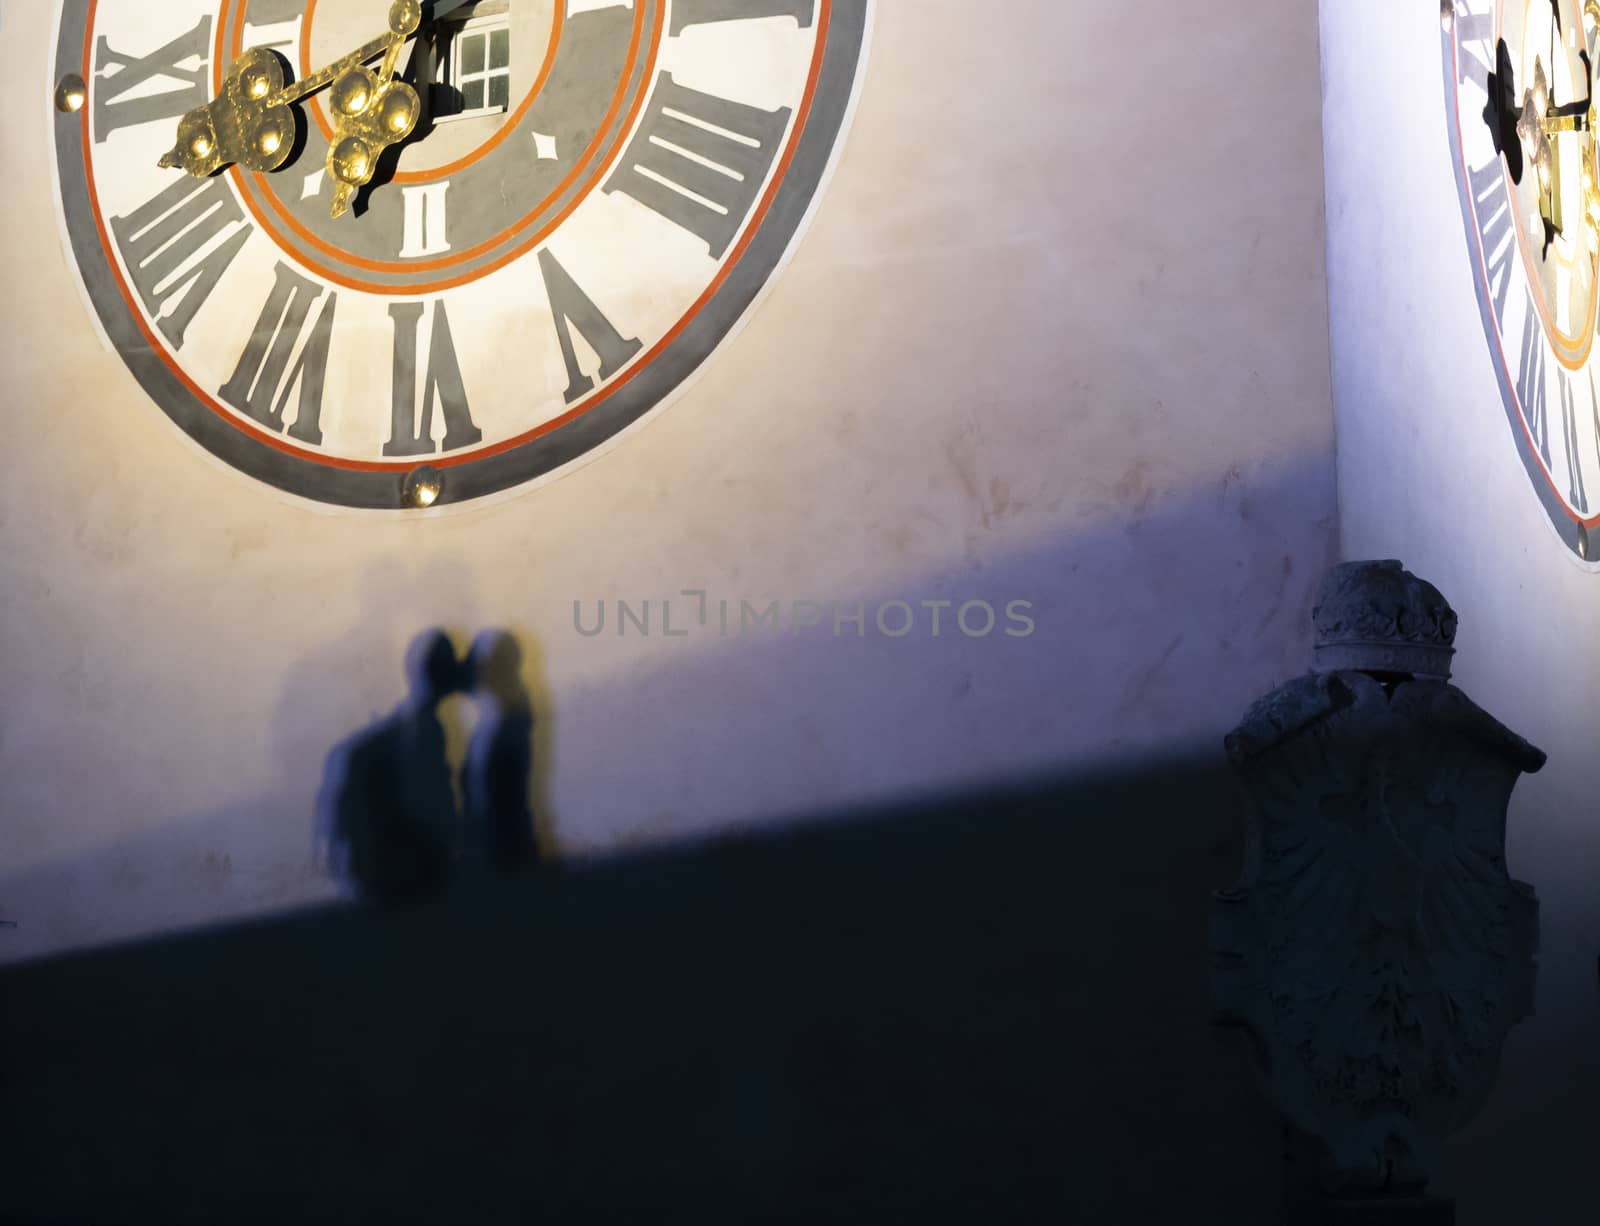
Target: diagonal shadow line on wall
1154,630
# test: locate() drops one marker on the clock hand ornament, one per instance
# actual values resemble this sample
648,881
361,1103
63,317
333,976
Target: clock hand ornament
250,122
1534,124
371,110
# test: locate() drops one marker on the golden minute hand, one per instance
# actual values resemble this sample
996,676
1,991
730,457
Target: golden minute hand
326,76
250,122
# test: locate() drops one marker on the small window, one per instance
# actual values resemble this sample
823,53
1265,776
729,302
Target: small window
475,62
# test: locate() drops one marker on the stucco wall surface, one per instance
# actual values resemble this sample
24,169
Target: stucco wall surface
1056,334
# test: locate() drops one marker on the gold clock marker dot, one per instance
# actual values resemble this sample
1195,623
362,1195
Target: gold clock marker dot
422,487
71,94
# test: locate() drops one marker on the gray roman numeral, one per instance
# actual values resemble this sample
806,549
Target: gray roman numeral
1576,494
1530,382
109,114
1473,32
661,171
1499,243
255,386
1594,436
161,238
443,384
686,13
569,304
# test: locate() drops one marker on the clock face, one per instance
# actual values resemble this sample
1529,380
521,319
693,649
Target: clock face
590,196
1523,133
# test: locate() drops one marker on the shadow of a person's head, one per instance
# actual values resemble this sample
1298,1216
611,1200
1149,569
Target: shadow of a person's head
494,666
499,772
433,671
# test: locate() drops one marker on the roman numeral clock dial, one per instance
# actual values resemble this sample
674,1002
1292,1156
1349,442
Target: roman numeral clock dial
1522,119
396,254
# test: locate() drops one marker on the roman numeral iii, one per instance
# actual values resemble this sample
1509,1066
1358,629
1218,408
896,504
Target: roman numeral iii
700,161
686,13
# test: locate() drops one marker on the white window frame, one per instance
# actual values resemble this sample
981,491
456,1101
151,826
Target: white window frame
453,76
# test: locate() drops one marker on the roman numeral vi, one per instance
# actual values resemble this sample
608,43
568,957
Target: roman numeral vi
441,386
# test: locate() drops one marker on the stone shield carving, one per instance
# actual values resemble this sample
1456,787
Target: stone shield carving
1376,947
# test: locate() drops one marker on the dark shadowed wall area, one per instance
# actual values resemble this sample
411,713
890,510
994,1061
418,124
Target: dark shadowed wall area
969,1011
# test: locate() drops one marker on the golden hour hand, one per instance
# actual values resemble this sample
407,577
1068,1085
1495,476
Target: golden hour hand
250,122
1539,121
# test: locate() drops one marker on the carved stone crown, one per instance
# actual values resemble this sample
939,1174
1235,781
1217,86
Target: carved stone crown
1379,617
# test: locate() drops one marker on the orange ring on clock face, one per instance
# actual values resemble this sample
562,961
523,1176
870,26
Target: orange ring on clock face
283,446
591,168
319,112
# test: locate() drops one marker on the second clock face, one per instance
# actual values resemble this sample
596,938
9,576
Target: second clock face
594,195
1522,127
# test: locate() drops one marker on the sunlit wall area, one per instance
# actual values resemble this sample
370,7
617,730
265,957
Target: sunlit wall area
1433,470
1055,338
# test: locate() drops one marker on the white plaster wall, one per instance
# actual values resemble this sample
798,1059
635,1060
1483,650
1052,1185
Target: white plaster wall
1428,473
1057,334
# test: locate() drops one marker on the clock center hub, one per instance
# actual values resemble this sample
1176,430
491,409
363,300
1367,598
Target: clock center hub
475,70
1560,244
